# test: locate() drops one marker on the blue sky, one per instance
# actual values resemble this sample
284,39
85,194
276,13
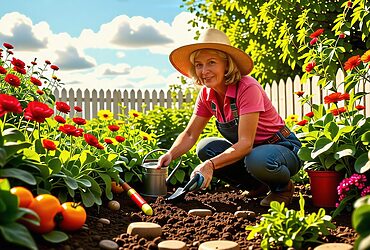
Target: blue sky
99,43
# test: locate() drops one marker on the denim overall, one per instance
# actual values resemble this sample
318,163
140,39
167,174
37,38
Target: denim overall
271,164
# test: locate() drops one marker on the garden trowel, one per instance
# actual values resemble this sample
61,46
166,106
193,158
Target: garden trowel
195,183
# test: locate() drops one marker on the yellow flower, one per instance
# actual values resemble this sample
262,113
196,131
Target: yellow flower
105,115
146,136
366,57
292,118
133,113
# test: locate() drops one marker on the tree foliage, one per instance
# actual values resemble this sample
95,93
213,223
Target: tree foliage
276,32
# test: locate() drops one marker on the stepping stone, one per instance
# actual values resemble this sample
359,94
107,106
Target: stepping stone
147,230
200,212
108,245
245,214
219,245
172,245
334,246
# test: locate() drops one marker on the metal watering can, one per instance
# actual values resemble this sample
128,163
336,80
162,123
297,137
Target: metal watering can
155,180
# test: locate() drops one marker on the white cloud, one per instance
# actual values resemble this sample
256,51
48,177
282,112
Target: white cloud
79,70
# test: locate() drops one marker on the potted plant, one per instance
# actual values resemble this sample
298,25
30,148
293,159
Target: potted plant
335,134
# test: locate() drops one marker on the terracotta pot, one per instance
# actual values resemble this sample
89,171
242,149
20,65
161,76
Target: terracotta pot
324,187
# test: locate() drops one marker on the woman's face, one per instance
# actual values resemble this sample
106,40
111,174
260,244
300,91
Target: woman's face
210,68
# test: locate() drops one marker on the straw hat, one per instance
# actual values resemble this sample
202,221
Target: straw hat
211,39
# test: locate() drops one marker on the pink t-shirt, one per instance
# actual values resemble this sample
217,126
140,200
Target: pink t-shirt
250,97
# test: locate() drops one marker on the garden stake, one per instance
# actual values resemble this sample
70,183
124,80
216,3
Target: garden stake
136,197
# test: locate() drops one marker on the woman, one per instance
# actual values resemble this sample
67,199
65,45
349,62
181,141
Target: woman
258,152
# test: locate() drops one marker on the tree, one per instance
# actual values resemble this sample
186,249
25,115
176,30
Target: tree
276,32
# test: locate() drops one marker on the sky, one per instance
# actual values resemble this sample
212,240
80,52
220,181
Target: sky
99,44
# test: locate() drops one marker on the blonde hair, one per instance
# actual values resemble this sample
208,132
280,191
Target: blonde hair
232,75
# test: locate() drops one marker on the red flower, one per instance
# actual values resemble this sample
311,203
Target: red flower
63,107
37,111
79,120
309,114
313,41
338,111
54,67
60,119
2,70
48,144
360,107
78,108
334,97
99,146
13,80
35,81
40,92
108,141
113,128
68,129
345,96
342,35
91,140
145,138
78,132
18,63
302,123
47,62
34,63
317,33
8,46
352,62
20,70
349,4
120,138
299,93
9,103
310,66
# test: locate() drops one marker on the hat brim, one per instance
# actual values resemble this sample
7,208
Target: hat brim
180,57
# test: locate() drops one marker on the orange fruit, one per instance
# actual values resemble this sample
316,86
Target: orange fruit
25,197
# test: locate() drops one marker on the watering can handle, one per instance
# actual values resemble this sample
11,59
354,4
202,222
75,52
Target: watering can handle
175,168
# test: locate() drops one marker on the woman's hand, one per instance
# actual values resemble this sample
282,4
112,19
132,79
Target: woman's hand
206,169
164,160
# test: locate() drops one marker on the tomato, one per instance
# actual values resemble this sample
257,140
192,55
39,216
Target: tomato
116,188
74,216
25,197
46,206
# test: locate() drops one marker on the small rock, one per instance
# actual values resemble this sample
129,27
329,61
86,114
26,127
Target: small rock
200,212
245,214
172,245
114,205
104,221
219,245
146,230
108,245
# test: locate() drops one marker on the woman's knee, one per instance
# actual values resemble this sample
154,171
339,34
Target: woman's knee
210,147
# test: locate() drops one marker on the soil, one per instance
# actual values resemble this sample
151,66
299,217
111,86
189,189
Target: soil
193,230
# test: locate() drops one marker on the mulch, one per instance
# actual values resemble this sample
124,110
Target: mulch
193,230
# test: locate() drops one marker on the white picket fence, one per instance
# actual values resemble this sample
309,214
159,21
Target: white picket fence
281,94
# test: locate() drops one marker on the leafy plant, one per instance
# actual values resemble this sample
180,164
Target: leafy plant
290,228
361,221
280,28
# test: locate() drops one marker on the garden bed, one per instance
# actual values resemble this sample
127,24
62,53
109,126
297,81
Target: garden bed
177,224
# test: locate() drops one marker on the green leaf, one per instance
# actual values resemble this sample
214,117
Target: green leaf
361,219
4,184
31,154
71,182
13,134
12,148
365,138
64,156
18,234
345,150
108,184
55,165
55,236
321,146
362,163
18,174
